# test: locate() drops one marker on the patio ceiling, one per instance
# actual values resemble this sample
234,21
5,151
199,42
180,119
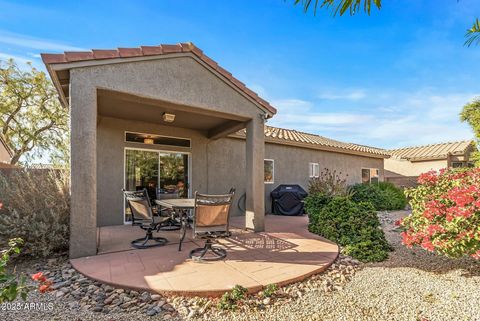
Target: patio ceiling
131,107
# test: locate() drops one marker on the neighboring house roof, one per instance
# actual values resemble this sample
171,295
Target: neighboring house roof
7,166
7,148
306,140
432,151
146,52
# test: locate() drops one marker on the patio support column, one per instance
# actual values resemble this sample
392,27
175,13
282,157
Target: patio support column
255,198
83,215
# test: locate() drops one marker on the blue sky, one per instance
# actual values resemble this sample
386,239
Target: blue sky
398,77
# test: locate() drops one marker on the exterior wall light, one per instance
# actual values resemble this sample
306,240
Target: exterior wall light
168,118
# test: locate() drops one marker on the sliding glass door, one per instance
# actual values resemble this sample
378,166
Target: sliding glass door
163,174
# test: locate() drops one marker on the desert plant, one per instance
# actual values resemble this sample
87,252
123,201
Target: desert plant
329,183
270,290
36,209
445,216
354,226
11,285
231,299
382,195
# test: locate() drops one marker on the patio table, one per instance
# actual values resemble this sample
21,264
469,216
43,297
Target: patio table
180,206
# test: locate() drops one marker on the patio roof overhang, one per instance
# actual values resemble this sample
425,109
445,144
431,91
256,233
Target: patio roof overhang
59,66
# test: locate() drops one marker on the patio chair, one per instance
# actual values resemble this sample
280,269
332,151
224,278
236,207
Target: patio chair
142,216
211,220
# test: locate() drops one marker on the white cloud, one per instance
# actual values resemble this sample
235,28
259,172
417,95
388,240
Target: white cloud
390,120
355,94
22,61
25,41
18,59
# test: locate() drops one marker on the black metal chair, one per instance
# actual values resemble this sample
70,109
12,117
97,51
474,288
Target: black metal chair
142,216
211,221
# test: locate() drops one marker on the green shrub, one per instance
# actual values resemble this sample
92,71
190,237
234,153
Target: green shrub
36,208
383,196
313,205
354,226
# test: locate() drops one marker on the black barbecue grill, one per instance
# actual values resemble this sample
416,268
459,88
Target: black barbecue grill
288,199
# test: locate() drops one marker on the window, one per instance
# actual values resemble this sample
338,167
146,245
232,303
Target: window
370,175
151,139
314,170
164,175
268,171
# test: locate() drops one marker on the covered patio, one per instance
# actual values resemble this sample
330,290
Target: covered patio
286,252
173,100
158,119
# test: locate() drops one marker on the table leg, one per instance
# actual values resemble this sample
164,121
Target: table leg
183,230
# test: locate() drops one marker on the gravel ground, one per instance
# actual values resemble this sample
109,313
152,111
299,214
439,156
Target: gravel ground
410,285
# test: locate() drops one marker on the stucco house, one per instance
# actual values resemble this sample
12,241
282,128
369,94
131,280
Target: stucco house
170,119
5,152
405,164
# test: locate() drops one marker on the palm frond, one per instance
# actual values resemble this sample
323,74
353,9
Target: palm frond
473,34
340,6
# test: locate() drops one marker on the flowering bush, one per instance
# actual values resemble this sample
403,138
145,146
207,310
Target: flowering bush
445,213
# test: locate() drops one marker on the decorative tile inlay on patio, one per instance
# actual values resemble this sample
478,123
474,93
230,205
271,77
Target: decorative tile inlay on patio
286,252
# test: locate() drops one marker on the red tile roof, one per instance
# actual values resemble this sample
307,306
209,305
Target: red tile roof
295,137
68,57
432,151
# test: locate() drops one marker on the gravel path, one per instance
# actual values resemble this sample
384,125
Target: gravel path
410,285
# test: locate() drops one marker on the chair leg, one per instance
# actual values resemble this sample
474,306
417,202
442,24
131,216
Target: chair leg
200,253
142,243
170,225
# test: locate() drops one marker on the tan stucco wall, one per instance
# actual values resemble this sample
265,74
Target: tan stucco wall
226,164
217,165
400,167
4,155
111,158
180,80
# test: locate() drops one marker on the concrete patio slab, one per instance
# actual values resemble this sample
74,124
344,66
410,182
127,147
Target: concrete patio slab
285,253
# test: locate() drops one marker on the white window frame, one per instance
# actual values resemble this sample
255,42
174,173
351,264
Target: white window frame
273,170
370,173
313,170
